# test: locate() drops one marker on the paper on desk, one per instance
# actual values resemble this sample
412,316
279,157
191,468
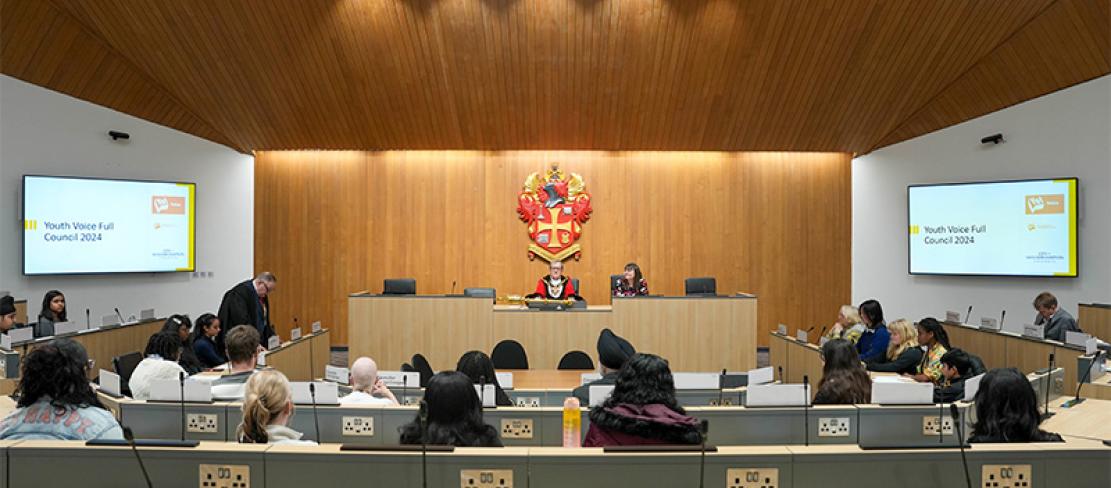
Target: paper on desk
891,379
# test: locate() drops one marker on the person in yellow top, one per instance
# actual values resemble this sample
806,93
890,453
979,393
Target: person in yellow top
933,337
848,325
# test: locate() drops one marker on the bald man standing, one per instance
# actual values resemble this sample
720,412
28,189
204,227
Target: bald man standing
366,388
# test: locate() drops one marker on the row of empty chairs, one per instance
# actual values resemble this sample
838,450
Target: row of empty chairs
507,354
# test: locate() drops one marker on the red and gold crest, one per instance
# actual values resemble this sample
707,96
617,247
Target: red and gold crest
554,206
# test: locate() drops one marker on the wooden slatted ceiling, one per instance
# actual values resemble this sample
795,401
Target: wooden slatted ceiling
821,75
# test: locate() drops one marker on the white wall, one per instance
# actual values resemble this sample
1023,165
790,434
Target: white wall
1066,133
45,132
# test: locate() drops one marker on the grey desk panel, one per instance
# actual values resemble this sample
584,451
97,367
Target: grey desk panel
547,424
597,469
1077,467
116,466
895,426
164,420
331,420
774,425
292,468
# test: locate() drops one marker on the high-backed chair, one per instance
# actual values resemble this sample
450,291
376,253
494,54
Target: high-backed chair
399,286
124,366
421,365
701,287
575,283
509,354
576,360
614,279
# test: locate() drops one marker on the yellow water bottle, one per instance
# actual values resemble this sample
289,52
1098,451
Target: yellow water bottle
572,423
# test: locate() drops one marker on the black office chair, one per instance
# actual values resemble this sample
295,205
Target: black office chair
480,292
575,284
576,360
978,367
701,287
509,354
408,368
420,364
614,279
400,286
125,365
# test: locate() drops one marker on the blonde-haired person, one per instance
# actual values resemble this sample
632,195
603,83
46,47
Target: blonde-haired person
267,408
848,325
903,352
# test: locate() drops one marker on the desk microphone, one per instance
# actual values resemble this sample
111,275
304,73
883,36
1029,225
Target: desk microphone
130,437
295,325
1087,376
780,373
181,383
452,287
1048,380
968,315
953,412
119,315
806,409
88,322
822,333
423,415
1001,317
704,429
482,391
315,419
721,388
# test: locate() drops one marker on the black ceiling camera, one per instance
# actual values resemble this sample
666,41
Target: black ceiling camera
994,138
117,135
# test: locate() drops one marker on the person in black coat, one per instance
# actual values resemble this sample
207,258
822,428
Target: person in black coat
248,303
613,352
204,345
181,326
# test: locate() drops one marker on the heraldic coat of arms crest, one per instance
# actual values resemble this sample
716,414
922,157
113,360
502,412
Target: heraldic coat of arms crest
555,206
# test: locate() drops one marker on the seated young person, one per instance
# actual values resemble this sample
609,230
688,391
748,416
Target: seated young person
1007,410
55,399
903,354
7,314
1057,321
366,387
956,367
642,409
933,337
873,342
161,363
53,311
242,348
480,369
844,380
848,325
267,408
182,326
204,341
613,352
454,415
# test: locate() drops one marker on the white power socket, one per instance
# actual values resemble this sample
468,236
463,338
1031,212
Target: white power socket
833,427
486,478
224,476
358,426
937,425
725,402
204,423
752,478
530,402
1006,475
516,428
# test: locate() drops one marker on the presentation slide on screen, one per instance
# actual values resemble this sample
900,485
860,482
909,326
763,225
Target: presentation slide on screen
74,225
1024,228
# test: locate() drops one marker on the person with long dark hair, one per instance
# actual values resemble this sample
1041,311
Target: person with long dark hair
55,400
632,283
182,327
642,409
844,380
204,341
480,369
161,363
933,337
1007,410
53,311
873,342
454,415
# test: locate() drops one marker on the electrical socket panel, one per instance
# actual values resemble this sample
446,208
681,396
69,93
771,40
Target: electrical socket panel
937,425
1006,475
486,478
358,426
833,427
203,423
529,402
725,402
224,476
409,401
516,429
752,478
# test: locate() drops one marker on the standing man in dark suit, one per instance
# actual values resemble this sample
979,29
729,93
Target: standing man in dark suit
248,303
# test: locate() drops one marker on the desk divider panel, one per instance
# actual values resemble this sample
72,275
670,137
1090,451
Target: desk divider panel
592,468
164,421
904,426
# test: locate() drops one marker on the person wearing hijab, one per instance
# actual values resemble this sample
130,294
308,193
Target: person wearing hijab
613,352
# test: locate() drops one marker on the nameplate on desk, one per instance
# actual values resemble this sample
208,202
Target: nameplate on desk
295,334
109,383
760,376
340,375
589,378
901,393
488,394
989,323
1076,338
62,328
599,394
109,320
505,380
146,314
971,386
400,379
801,336
6,342
273,342
169,390
782,329
697,381
23,334
1034,331
952,317
262,358
1091,345
327,393
316,327
776,395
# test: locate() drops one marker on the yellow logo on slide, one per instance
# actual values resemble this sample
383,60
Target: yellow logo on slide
914,230
1045,204
30,225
